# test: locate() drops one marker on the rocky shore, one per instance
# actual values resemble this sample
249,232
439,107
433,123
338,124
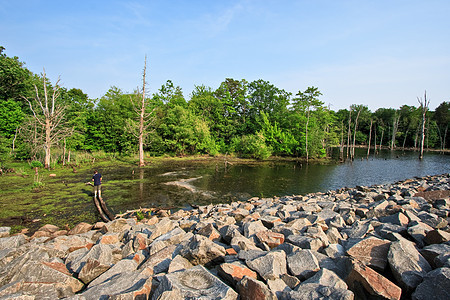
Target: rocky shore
380,242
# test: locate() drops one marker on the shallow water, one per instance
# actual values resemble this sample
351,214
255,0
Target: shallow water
189,182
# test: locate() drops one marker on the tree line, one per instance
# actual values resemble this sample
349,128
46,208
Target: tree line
248,119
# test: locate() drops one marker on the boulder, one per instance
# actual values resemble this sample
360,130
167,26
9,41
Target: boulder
325,277
436,236
396,219
234,272
194,283
316,291
272,239
269,266
210,232
250,289
252,228
201,251
4,231
179,263
303,264
124,285
367,283
159,261
407,264
80,228
432,251
99,256
435,283
371,251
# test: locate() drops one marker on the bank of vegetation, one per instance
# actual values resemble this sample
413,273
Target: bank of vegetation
43,121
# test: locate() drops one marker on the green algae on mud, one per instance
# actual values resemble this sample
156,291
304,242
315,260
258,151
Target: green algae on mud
64,199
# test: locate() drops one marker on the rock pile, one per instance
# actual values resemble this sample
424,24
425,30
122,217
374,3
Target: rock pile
388,242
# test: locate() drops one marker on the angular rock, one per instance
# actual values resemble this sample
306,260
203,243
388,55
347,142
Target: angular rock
437,236
269,266
195,283
359,229
272,239
179,263
234,272
12,242
250,289
92,269
435,283
325,277
201,251
306,242
278,286
316,291
252,228
242,243
210,232
407,264
80,228
432,251
4,231
333,235
159,261
418,231
291,281
124,265
371,251
229,232
366,282
118,226
101,253
124,285
396,219
334,251
303,264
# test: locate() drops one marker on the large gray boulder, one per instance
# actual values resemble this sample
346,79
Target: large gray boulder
194,283
311,291
201,251
325,277
435,283
407,264
124,285
303,264
269,266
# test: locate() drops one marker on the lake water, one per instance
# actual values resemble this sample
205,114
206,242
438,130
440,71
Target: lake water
189,182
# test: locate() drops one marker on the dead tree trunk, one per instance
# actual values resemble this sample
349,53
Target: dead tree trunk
424,106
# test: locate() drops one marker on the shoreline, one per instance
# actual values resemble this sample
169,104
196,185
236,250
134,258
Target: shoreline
344,244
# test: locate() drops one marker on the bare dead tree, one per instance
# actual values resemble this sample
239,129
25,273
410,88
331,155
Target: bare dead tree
424,103
47,125
145,116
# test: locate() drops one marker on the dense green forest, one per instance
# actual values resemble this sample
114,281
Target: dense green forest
247,119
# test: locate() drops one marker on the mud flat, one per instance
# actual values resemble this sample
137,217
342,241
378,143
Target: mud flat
386,241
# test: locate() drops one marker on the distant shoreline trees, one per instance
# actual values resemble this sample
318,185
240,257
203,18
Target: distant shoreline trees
249,119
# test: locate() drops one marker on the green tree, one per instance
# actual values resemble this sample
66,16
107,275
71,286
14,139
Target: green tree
303,104
265,97
106,125
442,118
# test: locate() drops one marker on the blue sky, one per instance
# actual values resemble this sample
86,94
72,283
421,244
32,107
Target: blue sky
377,53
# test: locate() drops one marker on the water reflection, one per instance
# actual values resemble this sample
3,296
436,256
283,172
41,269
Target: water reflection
218,182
